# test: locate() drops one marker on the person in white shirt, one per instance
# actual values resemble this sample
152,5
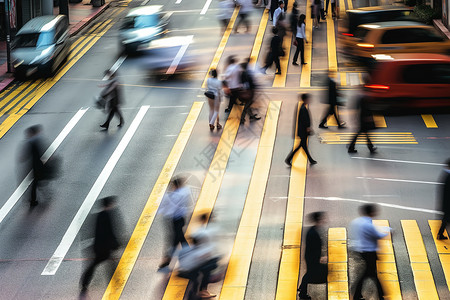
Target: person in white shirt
226,8
174,208
244,11
300,38
232,81
214,85
278,14
364,237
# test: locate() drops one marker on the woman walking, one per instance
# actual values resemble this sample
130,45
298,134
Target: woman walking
300,38
214,85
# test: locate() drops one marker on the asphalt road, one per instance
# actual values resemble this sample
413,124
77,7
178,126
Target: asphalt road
402,178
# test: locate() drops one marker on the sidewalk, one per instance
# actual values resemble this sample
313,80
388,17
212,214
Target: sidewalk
80,15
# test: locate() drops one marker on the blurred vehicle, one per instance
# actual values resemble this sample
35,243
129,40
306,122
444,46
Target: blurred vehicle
396,37
142,25
40,46
409,83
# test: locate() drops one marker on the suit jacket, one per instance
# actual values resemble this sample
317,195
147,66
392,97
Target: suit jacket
35,151
313,249
332,92
303,122
105,238
275,45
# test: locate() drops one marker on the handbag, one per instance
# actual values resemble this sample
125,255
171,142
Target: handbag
210,94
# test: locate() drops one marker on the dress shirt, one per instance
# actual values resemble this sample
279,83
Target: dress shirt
276,15
301,32
233,76
364,235
175,203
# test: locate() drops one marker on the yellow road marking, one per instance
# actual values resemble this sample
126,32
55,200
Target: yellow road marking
380,121
19,89
442,247
235,281
334,138
259,37
343,78
423,278
337,264
210,189
350,4
134,246
386,266
290,255
305,76
341,7
223,43
18,103
429,121
331,43
47,85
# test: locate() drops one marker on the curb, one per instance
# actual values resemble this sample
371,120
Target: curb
5,83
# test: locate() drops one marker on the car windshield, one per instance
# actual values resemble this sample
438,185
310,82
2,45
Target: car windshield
410,35
34,39
140,21
427,74
355,19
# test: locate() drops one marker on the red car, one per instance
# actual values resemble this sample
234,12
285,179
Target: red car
409,84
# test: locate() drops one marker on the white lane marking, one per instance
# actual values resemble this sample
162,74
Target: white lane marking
205,8
399,180
116,66
145,2
424,210
400,161
74,227
178,1
177,59
20,190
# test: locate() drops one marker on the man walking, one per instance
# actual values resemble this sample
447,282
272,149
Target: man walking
316,267
105,240
275,52
33,153
445,200
366,237
112,95
366,123
232,81
332,102
303,130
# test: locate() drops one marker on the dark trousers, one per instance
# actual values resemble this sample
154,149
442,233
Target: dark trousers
87,275
303,144
243,19
178,235
114,110
361,132
444,223
301,50
271,58
247,109
204,271
315,273
332,110
34,186
234,95
370,259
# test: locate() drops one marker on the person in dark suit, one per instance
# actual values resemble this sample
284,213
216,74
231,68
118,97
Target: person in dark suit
113,97
366,123
303,130
445,201
105,240
316,267
275,52
33,153
332,102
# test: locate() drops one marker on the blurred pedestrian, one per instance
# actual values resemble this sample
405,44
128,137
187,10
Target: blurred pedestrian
113,97
279,19
366,124
316,9
445,200
300,39
226,8
244,12
275,51
316,266
365,236
303,130
273,7
105,240
174,207
247,93
293,19
214,85
261,3
332,101
232,81
33,153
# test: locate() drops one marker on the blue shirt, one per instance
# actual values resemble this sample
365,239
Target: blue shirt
364,235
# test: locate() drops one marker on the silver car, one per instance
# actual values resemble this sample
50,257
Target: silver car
142,25
40,46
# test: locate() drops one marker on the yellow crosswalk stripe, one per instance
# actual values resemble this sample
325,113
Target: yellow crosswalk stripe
380,121
350,4
134,246
386,266
429,121
442,247
337,264
210,190
259,37
343,78
223,43
375,137
22,90
423,278
331,43
290,256
236,277
305,76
